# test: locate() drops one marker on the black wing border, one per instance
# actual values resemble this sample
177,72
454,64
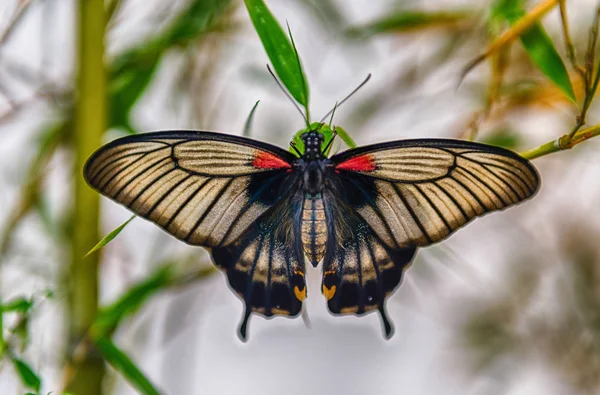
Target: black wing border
189,135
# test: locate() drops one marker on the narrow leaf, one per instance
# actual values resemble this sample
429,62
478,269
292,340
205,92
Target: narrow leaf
539,47
28,377
132,71
407,21
511,34
248,124
345,137
504,138
124,365
280,50
109,237
109,317
21,305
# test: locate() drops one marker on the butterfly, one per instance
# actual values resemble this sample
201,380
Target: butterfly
264,213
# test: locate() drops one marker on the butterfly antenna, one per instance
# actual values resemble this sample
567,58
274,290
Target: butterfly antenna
332,114
289,96
347,97
295,147
335,133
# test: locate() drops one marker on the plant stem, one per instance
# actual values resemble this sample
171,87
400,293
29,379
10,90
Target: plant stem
563,143
90,121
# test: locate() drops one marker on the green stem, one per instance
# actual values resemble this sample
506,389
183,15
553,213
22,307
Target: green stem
90,121
2,341
563,143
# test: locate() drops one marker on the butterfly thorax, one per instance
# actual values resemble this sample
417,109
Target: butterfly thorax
313,163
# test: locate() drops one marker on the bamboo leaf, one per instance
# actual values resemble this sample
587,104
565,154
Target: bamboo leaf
280,50
504,138
345,137
511,34
109,237
28,376
124,365
109,317
248,124
21,305
132,71
406,21
539,46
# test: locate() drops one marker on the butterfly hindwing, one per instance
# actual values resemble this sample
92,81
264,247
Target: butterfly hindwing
265,266
359,270
418,192
203,188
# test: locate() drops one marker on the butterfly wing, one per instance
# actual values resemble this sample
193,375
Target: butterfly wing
203,188
402,195
359,269
417,192
233,195
265,266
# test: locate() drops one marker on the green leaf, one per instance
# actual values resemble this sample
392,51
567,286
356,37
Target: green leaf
248,124
124,365
538,44
109,237
28,377
132,71
280,50
504,138
21,305
405,21
345,137
109,317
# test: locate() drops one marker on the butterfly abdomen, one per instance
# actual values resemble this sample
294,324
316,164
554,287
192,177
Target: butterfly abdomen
314,228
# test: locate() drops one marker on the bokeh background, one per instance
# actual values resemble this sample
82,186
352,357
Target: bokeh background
508,305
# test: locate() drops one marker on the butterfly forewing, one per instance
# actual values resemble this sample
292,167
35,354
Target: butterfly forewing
417,192
203,188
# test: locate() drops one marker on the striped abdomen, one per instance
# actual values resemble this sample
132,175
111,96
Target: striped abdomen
314,228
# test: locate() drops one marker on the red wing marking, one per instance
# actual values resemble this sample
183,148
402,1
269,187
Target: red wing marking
266,160
358,163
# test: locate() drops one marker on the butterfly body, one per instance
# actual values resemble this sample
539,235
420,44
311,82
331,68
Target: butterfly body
263,212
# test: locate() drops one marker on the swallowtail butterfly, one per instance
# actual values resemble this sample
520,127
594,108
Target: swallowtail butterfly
263,213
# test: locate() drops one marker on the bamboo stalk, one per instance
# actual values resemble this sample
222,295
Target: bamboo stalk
90,120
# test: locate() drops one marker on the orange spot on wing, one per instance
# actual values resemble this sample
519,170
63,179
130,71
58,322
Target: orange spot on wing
329,292
358,163
266,160
300,295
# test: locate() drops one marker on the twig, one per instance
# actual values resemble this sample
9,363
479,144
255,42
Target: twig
590,81
564,142
17,18
568,41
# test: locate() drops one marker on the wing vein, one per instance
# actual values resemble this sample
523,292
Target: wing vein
208,208
412,213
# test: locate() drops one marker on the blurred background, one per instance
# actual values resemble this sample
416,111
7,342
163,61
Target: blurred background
508,305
